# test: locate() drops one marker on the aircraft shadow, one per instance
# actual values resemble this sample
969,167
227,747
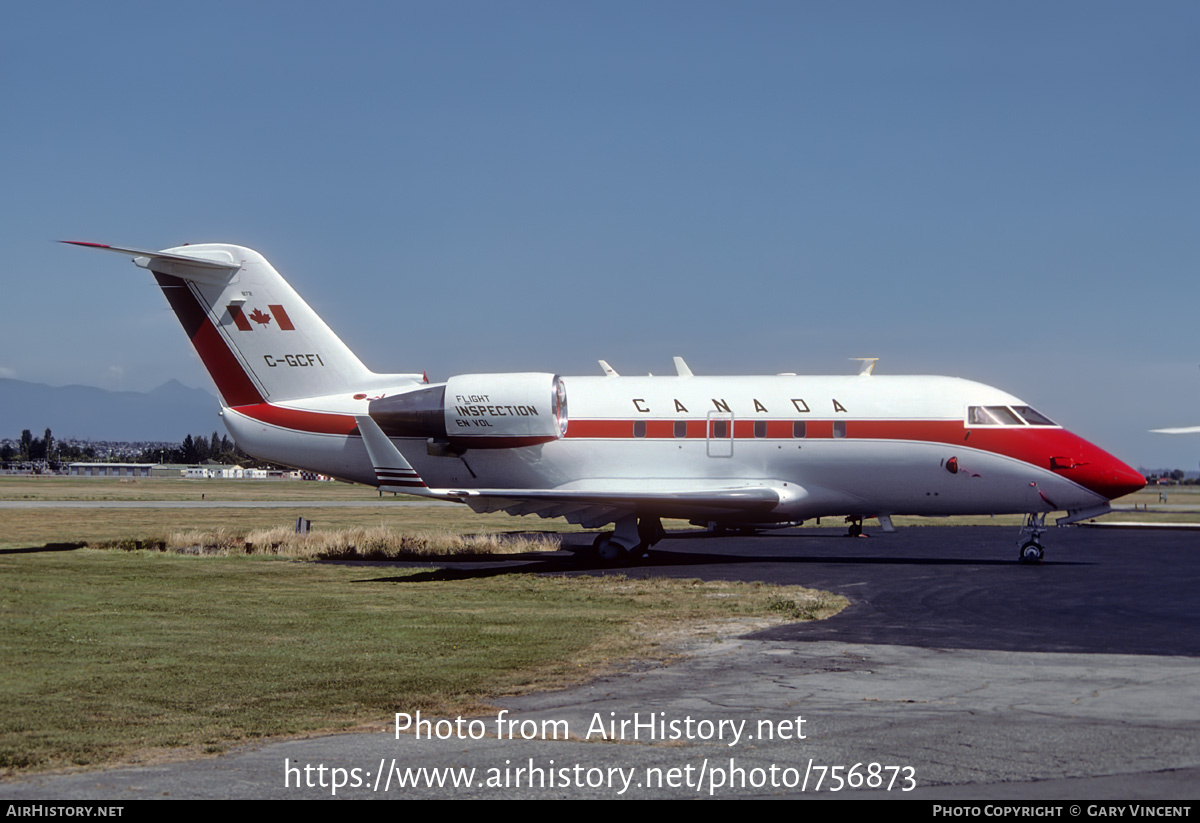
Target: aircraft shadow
583,561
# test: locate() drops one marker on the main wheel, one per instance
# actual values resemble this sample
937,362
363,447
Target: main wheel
1032,552
608,550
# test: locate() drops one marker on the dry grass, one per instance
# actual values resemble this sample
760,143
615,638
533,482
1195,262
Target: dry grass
24,528
341,544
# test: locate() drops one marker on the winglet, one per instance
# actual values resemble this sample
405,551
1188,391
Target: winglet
609,371
681,368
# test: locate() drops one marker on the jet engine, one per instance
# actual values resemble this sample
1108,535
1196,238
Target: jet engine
479,411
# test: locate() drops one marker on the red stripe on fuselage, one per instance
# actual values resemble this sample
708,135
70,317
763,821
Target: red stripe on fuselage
300,420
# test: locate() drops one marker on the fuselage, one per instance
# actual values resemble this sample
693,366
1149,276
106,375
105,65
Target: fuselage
835,445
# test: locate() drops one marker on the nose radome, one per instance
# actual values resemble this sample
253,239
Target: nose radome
1106,475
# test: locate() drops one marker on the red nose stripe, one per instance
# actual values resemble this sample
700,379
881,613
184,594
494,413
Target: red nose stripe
1109,477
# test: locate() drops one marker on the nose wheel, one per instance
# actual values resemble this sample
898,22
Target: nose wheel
1032,551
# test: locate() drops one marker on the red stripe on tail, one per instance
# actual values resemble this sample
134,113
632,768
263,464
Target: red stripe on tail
235,386
239,317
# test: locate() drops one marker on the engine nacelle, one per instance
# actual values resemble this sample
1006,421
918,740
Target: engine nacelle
479,411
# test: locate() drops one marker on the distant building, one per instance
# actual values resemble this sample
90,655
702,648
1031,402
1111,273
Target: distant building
110,469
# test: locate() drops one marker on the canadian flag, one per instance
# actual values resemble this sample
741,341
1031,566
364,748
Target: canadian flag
262,318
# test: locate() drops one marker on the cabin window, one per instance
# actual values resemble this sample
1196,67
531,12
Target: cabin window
639,428
799,428
720,428
839,428
681,428
760,428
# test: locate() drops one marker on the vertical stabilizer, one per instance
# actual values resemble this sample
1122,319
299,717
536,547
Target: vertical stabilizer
257,337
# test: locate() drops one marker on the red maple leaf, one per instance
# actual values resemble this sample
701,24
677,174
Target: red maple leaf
258,316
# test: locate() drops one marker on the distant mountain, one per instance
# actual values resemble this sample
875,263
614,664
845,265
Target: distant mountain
167,413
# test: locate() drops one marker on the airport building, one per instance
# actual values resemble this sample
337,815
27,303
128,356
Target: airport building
110,469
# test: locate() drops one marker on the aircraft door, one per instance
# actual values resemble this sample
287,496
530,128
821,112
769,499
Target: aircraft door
720,434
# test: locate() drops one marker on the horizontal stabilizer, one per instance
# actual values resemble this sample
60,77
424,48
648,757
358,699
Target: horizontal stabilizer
212,267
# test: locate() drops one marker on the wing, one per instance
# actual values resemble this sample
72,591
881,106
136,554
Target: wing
589,507
592,508
1183,430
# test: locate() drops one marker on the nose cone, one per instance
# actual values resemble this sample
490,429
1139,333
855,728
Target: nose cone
1105,475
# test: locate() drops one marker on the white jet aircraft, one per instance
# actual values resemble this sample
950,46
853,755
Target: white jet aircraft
730,452
1178,430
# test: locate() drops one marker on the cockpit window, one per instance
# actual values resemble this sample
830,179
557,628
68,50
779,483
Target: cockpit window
993,416
1006,416
1033,417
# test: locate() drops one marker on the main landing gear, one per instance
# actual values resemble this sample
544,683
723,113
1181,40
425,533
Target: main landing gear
1032,550
631,539
855,529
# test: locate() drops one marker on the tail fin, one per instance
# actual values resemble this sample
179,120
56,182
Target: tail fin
258,339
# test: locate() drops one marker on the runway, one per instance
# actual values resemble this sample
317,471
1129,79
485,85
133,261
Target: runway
985,678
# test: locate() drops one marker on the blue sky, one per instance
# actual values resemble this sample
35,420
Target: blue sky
1008,192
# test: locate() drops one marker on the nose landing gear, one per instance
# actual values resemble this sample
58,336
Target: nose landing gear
1032,551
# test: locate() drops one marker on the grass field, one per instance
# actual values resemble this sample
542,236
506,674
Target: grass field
15,487
132,656
128,656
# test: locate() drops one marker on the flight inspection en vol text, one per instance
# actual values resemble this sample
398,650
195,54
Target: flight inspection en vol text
733,452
